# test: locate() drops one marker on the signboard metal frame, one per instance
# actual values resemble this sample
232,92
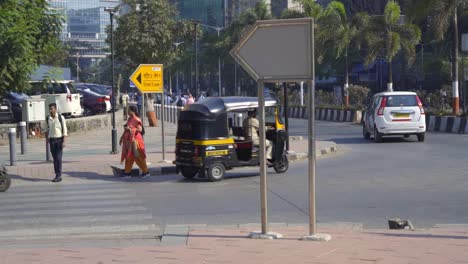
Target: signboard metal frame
261,78
236,51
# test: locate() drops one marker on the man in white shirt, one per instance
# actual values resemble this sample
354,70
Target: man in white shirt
251,126
57,131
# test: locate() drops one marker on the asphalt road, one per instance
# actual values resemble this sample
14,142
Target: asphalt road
365,182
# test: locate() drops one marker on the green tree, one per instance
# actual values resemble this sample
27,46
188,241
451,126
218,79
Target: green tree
337,33
28,37
386,36
147,32
444,14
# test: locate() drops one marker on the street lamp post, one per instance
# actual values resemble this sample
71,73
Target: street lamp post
111,12
218,30
77,67
177,73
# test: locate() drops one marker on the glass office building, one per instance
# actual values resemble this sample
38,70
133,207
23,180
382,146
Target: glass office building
209,12
84,26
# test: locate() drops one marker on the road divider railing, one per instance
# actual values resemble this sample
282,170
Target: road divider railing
171,113
326,114
449,124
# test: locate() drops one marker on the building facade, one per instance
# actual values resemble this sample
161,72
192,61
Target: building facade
84,27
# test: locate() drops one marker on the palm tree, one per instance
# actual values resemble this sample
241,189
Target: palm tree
336,34
386,35
445,13
311,8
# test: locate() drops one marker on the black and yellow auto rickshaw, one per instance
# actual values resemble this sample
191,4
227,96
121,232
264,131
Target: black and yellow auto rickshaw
209,141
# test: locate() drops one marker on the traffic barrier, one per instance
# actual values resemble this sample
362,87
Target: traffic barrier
449,124
171,113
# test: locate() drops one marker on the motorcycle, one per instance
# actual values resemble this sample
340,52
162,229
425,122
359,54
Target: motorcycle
5,179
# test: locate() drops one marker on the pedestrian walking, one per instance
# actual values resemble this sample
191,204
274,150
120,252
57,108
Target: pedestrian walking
124,102
190,99
133,146
56,133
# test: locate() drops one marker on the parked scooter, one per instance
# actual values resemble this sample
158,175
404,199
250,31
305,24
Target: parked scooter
5,179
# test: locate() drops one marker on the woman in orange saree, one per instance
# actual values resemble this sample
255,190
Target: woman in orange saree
133,146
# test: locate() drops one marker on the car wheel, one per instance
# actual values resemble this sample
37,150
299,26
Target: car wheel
282,165
421,137
216,172
365,134
377,136
189,172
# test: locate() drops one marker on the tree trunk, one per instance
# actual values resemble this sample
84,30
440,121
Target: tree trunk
390,77
456,99
346,85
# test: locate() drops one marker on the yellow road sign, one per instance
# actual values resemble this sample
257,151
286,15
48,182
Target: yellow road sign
148,78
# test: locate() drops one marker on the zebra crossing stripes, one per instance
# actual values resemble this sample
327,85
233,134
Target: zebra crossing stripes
74,211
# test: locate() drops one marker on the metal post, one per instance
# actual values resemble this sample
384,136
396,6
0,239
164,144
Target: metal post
12,140
143,101
197,86
302,93
163,110
219,72
177,82
23,137
286,113
114,130
312,154
263,178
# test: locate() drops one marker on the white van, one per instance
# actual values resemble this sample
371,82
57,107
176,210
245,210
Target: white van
63,93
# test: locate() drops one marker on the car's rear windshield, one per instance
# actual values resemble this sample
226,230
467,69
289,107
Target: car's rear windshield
401,100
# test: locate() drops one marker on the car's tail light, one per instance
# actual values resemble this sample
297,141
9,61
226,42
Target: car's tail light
196,152
420,105
107,98
382,106
69,97
103,99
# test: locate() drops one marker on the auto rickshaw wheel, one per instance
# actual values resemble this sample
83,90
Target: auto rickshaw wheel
282,165
5,180
189,172
216,172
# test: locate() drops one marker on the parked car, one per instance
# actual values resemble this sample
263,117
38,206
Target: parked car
94,103
97,88
6,112
394,113
16,100
63,93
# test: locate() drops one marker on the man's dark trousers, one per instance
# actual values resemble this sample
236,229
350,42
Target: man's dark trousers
57,150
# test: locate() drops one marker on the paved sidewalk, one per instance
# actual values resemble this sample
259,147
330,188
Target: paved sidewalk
445,245
86,157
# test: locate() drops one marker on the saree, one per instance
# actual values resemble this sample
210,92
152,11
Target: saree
133,145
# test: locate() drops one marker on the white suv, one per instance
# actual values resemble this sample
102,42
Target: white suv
394,113
63,93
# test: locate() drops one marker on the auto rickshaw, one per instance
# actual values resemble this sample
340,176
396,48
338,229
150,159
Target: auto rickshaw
209,141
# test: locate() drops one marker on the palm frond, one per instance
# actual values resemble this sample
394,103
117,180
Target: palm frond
392,13
442,14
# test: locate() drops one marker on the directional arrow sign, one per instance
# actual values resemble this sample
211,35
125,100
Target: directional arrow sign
277,50
148,78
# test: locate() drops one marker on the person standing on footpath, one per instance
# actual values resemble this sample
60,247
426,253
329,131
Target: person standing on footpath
133,146
57,131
